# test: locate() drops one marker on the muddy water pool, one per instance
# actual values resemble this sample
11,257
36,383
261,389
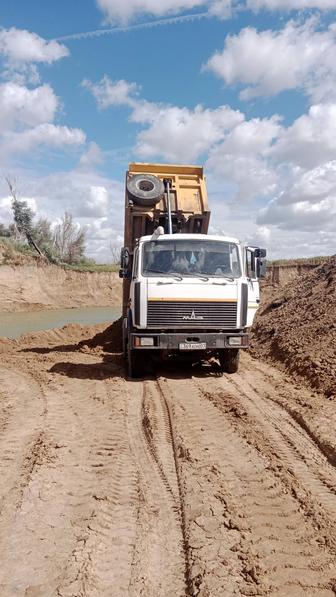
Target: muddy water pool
12,325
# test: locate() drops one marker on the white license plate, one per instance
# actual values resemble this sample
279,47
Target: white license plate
192,345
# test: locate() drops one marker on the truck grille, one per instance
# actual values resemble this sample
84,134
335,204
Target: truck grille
188,314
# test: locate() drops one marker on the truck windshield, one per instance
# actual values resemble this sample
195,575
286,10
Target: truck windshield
191,258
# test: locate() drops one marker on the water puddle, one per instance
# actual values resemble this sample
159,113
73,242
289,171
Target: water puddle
12,325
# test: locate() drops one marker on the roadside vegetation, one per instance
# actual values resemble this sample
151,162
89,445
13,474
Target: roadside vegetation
299,261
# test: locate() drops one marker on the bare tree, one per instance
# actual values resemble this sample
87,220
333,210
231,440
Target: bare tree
69,239
115,252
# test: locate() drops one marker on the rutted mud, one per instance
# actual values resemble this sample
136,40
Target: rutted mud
187,484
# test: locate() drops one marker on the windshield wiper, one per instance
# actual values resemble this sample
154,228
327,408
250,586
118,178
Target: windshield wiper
195,275
154,271
160,271
227,278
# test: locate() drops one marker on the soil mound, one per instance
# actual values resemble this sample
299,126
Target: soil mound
109,340
298,327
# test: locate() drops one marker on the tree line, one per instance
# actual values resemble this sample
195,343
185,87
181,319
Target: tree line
63,242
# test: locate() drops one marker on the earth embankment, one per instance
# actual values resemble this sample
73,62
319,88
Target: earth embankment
296,326
37,286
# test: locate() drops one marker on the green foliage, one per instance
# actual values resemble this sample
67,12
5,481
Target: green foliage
4,231
23,218
42,232
94,267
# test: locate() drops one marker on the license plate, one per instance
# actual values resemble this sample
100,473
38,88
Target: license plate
192,346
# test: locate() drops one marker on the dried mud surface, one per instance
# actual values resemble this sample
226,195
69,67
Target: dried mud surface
188,483
297,326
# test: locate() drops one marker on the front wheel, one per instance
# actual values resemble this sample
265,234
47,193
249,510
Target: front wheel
134,367
229,360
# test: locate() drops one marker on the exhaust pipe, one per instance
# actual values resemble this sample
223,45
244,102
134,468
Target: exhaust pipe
167,188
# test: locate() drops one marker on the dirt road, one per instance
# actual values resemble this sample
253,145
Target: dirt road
189,483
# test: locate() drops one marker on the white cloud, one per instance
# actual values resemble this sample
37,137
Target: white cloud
112,93
22,50
309,202
221,8
95,204
26,120
21,106
290,4
46,134
123,11
92,156
20,46
182,134
268,62
260,160
310,140
174,133
242,158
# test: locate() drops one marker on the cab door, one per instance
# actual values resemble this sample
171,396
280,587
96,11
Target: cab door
253,294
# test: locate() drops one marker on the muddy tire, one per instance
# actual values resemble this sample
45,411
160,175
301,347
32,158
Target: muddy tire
145,189
229,360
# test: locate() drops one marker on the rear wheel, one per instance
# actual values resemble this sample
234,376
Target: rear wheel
229,360
134,366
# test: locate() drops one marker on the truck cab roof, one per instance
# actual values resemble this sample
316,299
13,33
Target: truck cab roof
199,237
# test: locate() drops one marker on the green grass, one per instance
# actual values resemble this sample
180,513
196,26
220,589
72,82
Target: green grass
299,261
92,267
12,250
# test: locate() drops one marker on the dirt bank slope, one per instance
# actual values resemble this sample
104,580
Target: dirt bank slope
31,287
297,326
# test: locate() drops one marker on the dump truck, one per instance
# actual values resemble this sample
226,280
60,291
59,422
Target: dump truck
185,292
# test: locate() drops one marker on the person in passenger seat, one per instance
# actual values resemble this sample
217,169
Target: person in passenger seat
181,263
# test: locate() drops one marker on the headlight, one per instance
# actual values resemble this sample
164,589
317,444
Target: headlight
235,341
146,341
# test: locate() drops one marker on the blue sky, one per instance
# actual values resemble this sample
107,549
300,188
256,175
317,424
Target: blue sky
248,90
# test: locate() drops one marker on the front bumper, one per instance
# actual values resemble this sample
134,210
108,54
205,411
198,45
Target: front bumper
172,340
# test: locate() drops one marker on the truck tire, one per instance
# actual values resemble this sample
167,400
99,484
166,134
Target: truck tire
229,360
145,189
134,368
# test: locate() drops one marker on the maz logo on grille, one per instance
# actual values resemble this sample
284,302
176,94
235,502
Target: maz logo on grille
193,316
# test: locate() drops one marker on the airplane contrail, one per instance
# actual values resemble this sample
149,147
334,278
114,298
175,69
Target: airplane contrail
148,25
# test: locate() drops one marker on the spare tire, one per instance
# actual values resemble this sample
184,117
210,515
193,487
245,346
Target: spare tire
145,189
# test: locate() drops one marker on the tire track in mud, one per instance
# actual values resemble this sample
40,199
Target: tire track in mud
102,557
295,399
165,569
298,450
22,435
290,451
247,533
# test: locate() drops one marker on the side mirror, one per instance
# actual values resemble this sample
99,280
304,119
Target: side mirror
124,258
261,267
260,252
